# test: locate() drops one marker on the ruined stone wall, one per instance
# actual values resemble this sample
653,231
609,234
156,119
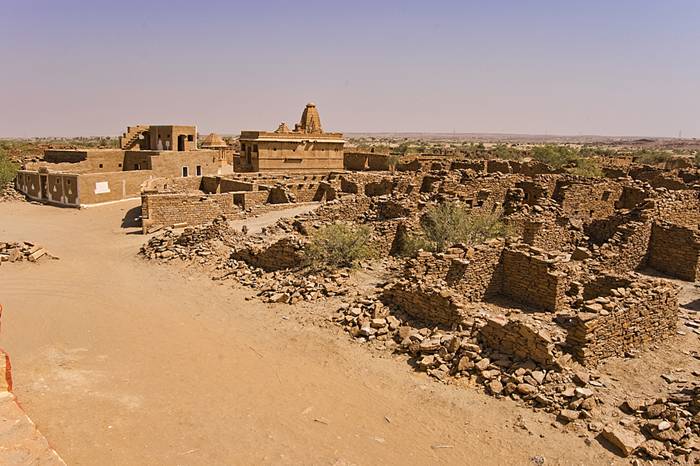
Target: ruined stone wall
551,233
250,199
629,319
657,177
355,161
632,197
587,200
487,193
518,338
430,304
680,208
533,279
190,208
280,254
478,166
474,274
627,248
675,250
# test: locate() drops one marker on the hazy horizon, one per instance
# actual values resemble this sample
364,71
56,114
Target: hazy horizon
621,69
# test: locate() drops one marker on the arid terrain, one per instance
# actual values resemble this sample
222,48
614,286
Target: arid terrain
121,361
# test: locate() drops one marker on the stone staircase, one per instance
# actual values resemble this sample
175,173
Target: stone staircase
131,137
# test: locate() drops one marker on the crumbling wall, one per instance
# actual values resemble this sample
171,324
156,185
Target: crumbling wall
533,279
680,208
674,250
284,253
587,199
427,303
627,249
475,273
631,197
518,338
628,319
356,161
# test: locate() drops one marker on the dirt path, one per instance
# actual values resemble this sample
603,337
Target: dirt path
120,361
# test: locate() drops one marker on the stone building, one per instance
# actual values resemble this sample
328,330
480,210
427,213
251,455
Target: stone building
161,137
305,149
93,176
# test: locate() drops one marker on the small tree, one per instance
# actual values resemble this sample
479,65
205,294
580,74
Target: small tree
339,245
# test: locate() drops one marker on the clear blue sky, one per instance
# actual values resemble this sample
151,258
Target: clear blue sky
615,67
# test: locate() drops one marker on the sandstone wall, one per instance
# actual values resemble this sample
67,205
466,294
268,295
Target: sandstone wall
281,254
630,319
190,208
426,303
534,280
518,338
675,250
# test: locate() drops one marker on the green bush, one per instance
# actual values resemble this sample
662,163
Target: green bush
450,223
8,169
412,243
339,245
651,156
696,158
586,167
505,152
553,155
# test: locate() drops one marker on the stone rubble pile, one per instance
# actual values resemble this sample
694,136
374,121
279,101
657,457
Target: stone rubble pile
192,243
562,387
9,193
661,428
21,251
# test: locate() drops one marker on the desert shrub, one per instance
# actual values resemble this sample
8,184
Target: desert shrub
339,245
504,152
586,167
451,223
412,243
651,156
696,158
553,155
593,151
8,169
393,160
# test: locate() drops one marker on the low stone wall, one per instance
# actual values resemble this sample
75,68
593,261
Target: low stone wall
190,208
518,338
427,303
675,250
626,320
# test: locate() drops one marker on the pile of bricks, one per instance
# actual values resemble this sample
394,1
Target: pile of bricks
21,251
192,242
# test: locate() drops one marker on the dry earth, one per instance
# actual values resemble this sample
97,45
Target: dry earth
121,361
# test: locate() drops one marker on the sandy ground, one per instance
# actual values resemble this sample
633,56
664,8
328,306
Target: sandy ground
120,361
